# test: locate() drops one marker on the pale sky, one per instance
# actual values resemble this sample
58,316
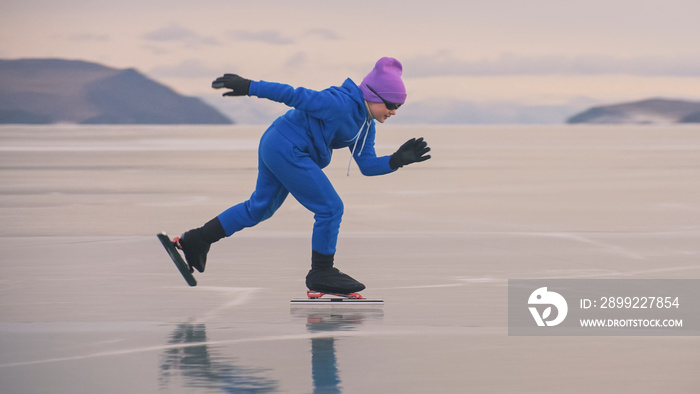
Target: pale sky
533,52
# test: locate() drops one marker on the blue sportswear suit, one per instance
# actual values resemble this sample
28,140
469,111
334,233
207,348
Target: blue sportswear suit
297,146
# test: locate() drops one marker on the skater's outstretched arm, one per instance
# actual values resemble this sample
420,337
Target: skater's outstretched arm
324,104
366,158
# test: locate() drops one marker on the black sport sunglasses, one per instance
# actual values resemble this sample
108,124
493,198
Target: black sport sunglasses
389,105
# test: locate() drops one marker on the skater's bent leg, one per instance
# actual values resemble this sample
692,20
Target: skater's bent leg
318,195
327,226
268,196
305,180
328,213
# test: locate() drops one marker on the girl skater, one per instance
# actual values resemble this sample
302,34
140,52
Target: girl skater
296,147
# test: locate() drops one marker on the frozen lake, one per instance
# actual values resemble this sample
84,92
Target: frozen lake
90,302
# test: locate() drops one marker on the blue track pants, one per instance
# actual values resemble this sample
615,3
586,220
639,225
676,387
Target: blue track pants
283,168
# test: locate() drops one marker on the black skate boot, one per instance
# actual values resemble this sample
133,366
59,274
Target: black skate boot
324,278
195,243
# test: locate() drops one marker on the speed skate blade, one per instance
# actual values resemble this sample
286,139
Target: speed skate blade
337,301
177,259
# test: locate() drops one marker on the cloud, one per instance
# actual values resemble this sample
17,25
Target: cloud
156,49
272,37
179,34
297,60
445,64
190,68
325,34
275,37
90,37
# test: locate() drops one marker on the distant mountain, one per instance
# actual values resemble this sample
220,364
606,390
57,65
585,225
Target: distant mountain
652,111
41,91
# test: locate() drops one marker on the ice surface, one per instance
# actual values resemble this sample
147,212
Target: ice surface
90,302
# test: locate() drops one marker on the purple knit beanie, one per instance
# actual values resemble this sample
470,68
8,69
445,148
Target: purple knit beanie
385,79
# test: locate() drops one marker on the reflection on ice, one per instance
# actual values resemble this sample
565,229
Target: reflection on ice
205,368
320,319
324,366
324,363
190,360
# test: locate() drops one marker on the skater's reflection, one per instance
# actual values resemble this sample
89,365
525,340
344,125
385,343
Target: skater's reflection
324,363
202,367
324,367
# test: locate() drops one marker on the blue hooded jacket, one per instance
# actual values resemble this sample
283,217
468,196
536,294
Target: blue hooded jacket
324,120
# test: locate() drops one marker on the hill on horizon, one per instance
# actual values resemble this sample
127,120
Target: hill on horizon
44,91
650,111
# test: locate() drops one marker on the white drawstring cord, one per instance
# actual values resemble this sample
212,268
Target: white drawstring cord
357,139
368,122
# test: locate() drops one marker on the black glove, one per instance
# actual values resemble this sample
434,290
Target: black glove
412,151
239,86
